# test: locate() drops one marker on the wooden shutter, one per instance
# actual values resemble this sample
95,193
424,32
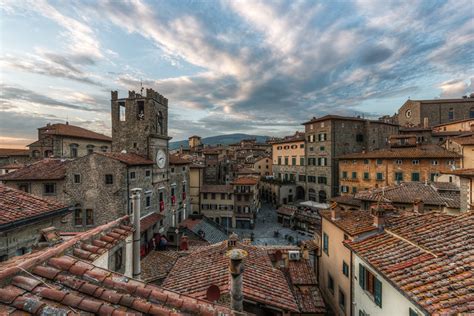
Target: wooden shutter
378,292
362,276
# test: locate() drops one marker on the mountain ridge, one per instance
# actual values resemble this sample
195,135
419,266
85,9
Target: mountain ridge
225,139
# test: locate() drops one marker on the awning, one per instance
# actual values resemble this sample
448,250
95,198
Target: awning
149,220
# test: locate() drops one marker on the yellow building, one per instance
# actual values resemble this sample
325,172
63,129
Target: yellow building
464,146
457,126
264,166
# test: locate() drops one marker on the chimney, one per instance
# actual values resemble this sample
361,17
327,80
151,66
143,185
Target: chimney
136,234
305,252
418,206
426,122
335,213
184,243
236,268
379,217
232,242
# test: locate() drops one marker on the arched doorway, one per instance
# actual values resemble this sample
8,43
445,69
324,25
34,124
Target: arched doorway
312,195
299,193
322,196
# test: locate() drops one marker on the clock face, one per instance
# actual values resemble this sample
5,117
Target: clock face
161,159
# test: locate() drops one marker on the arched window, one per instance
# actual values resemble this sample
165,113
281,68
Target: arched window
90,149
159,123
451,114
73,150
312,195
471,112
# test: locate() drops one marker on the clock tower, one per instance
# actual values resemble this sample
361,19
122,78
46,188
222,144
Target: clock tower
140,126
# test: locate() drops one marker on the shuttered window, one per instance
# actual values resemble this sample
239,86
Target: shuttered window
369,283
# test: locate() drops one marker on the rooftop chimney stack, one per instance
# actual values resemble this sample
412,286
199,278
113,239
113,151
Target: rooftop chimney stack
232,242
136,234
335,212
418,206
236,268
379,217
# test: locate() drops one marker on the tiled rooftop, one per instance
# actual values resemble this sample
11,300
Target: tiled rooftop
352,222
422,151
245,181
149,220
16,206
429,257
127,158
74,131
464,140
50,282
6,152
408,192
45,169
206,228
177,160
463,172
217,188
286,210
193,274
343,118
157,264
346,199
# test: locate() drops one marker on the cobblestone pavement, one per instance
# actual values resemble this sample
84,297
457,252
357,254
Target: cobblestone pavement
265,226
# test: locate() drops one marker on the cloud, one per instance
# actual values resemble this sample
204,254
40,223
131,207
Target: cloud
456,88
11,93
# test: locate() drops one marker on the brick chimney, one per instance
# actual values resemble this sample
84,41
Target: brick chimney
379,216
335,213
232,242
305,252
184,243
236,268
418,206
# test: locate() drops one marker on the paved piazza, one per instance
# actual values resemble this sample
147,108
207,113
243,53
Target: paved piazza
265,227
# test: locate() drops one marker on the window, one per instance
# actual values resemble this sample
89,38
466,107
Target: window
301,145
322,137
89,217
326,243
78,216
322,161
49,188
148,201
398,176
451,114
451,162
354,175
344,189
118,259
322,180
133,175
213,196
73,150
433,176
140,110
286,161
370,284
415,176
301,178
379,176
354,189
398,161
90,149
25,187
160,128
312,179
471,112
104,149
342,300
321,148
147,173
36,153
345,269
77,178
359,138
122,111
379,161
434,162
366,176
415,162
301,161
279,160
109,179
344,174
366,161
330,284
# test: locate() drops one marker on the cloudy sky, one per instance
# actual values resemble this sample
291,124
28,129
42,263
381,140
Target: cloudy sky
228,66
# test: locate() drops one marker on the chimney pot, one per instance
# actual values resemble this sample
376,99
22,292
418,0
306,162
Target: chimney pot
236,268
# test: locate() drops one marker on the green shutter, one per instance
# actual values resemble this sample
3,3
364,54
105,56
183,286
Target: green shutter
378,292
362,276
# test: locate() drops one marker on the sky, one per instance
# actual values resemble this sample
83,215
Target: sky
256,67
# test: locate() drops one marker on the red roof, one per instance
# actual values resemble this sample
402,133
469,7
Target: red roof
177,160
423,151
427,256
45,169
345,118
73,131
245,181
16,205
5,152
462,172
127,158
51,282
149,220
194,273
352,222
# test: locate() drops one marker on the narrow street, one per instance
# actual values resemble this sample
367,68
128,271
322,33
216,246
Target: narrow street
266,225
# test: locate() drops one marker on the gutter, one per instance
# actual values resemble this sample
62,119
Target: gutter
26,221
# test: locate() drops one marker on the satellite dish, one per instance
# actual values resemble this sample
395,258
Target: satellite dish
213,293
278,255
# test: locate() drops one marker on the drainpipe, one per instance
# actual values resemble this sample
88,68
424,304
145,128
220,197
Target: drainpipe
136,234
236,269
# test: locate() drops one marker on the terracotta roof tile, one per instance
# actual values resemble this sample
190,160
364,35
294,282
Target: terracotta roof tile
177,160
464,140
45,169
217,188
127,158
245,181
352,222
463,172
74,131
6,152
16,206
429,257
149,220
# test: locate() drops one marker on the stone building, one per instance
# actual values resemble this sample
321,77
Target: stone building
9,156
194,142
263,165
217,203
24,220
67,141
211,166
288,155
428,113
246,201
196,175
384,167
179,189
464,146
466,188
331,136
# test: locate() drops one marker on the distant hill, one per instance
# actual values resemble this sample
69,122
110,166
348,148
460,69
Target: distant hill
220,139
